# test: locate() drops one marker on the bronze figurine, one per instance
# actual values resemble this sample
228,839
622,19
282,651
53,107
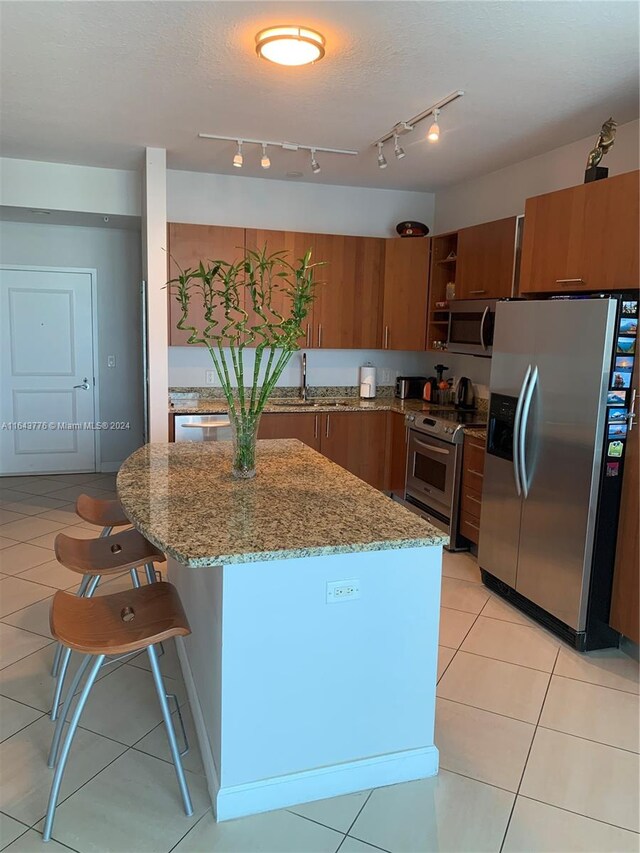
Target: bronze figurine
605,140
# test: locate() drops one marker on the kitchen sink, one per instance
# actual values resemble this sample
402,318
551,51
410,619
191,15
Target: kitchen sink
310,404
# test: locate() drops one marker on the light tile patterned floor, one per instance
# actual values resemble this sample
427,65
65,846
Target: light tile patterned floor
538,744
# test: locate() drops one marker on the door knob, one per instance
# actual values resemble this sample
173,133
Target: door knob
84,384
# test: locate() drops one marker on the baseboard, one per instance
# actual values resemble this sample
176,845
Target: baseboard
296,788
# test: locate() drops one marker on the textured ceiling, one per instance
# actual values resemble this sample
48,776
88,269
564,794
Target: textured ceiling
96,82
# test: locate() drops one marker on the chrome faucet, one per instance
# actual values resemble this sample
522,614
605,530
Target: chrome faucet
303,389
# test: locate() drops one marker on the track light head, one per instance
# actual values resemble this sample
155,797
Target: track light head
382,160
315,166
434,130
265,162
238,159
398,150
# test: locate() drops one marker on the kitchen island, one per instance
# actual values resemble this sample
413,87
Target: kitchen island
314,603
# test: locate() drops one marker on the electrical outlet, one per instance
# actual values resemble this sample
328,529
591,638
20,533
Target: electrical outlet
209,377
111,361
342,590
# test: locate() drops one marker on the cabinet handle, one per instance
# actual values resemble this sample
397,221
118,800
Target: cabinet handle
477,291
386,337
477,473
326,432
319,334
570,281
471,524
315,427
471,498
308,335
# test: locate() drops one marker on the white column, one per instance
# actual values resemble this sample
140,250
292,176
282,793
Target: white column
154,262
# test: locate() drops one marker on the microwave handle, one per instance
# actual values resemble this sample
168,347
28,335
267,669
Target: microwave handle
482,322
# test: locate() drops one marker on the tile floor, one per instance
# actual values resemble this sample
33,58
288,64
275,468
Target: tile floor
538,744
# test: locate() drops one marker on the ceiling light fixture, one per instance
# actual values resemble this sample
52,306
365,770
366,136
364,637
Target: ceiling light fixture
290,45
382,160
265,162
238,158
434,130
398,150
404,127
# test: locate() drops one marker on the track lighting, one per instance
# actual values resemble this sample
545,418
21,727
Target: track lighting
398,150
434,130
401,128
265,162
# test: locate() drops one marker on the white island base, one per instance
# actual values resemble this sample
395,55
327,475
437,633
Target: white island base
297,699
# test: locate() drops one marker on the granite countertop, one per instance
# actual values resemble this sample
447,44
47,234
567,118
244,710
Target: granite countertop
183,498
318,404
476,432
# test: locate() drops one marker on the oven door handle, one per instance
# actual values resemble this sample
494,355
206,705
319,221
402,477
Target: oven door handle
431,448
482,322
205,425
516,432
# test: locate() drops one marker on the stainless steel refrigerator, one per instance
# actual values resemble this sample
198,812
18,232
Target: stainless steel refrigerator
553,467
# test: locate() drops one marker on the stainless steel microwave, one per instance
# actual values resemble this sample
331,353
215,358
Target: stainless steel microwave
471,324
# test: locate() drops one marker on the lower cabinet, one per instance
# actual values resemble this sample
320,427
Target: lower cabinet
397,438
304,426
471,490
355,440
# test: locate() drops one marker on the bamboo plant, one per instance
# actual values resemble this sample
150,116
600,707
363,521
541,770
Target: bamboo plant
260,302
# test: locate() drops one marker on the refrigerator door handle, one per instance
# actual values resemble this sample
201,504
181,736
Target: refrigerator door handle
516,432
522,434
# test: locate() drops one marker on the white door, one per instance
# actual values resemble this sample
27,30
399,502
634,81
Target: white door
46,371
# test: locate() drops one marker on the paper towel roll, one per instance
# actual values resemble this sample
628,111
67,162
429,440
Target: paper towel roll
367,381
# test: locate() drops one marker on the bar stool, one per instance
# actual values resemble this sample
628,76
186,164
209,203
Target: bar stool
106,514
122,623
93,558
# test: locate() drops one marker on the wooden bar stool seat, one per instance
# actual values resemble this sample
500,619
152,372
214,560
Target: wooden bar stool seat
93,558
121,623
106,555
102,513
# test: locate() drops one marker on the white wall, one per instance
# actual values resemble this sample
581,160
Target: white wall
290,205
503,193
115,254
60,186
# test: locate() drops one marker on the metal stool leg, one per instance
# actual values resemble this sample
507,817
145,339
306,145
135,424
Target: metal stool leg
150,572
66,655
73,725
55,669
135,580
106,531
55,741
171,734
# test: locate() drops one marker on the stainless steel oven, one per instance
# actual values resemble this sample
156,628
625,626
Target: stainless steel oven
471,324
431,471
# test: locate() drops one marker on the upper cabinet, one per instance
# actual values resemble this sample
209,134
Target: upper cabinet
187,246
347,313
485,261
582,238
406,280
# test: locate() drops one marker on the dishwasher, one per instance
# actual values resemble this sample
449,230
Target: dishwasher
202,427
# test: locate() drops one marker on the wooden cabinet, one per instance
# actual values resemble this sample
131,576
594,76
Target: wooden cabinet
187,246
582,238
348,307
357,442
397,438
625,601
471,489
486,255
304,426
406,280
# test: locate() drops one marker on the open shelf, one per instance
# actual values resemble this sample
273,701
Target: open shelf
443,270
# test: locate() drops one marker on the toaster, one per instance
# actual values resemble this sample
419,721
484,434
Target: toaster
410,387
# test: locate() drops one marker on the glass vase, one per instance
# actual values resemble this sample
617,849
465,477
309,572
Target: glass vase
245,433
